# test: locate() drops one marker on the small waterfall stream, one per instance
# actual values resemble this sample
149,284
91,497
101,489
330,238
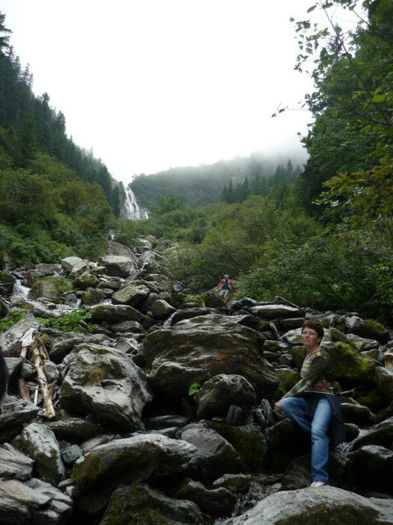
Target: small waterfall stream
132,210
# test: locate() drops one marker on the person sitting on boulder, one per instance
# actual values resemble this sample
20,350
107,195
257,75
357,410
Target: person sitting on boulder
314,402
226,287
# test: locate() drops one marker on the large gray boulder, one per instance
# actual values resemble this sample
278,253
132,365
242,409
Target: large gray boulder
10,339
131,294
106,383
215,454
33,502
218,393
117,265
14,464
74,265
16,413
141,457
313,506
40,443
197,349
141,504
276,311
117,313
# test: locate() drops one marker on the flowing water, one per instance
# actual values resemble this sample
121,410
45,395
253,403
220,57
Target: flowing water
132,210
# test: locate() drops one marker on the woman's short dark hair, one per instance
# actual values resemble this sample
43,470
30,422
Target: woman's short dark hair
314,324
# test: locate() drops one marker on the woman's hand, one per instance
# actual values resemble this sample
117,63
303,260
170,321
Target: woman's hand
277,406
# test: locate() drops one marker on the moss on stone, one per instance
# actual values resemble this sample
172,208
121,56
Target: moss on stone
298,354
373,400
263,326
349,365
6,277
326,514
374,325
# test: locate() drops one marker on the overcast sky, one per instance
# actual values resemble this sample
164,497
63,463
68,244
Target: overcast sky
153,84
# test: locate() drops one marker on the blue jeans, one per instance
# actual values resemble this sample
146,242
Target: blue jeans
296,408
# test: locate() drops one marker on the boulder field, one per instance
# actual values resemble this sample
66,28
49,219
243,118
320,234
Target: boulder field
128,404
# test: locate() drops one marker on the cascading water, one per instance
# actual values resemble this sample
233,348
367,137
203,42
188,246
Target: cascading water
132,210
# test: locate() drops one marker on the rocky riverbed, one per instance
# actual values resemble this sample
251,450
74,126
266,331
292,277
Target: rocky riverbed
129,405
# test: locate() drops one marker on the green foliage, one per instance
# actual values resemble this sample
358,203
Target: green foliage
9,321
194,388
332,271
201,185
351,143
69,321
168,203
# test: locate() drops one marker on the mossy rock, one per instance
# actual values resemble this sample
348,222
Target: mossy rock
350,366
263,326
248,441
373,400
339,337
86,281
372,329
271,346
6,278
288,378
50,287
93,297
298,354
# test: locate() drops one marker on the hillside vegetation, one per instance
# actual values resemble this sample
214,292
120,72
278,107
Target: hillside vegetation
55,198
325,237
320,236
198,185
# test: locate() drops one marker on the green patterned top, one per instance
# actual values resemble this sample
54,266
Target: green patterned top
316,376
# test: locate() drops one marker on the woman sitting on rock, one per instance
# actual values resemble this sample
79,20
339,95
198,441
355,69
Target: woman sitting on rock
314,402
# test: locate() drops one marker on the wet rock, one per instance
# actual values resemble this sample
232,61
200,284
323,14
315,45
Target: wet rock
356,413
16,412
131,294
34,502
317,505
214,502
276,311
140,503
160,309
195,350
14,464
86,281
187,313
117,265
215,454
40,443
372,468
74,429
384,381
235,483
93,297
71,453
223,390
380,434
117,313
50,287
74,265
105,382
10,339
248,441
150,456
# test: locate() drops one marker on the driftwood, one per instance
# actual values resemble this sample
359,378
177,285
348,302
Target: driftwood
35,352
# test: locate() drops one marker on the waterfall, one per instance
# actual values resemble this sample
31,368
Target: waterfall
132,210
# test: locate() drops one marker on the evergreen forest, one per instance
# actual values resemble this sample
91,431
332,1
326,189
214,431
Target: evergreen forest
318,234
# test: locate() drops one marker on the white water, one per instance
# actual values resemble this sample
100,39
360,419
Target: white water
19,290
132,210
